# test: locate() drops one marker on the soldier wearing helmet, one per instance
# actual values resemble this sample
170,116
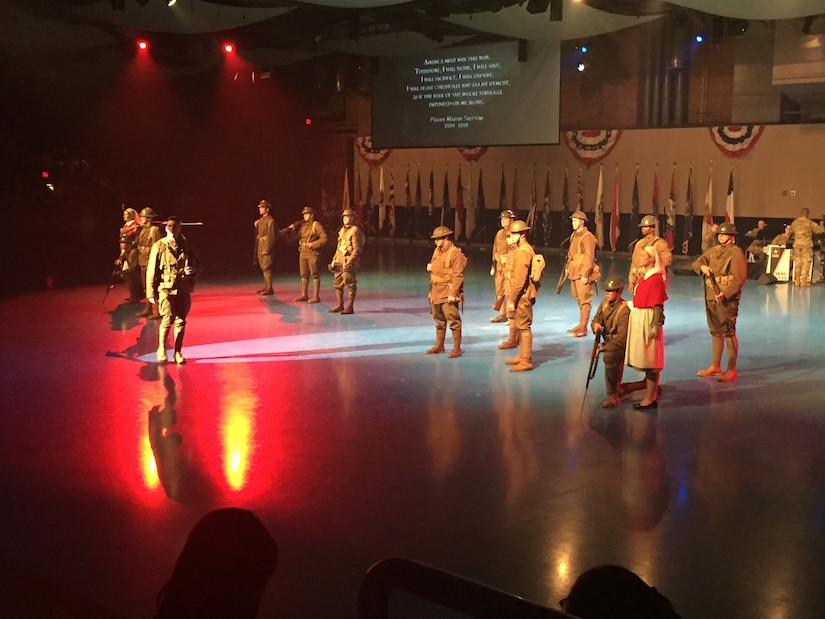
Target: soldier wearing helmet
649,238
346,261
725,269
311,238
148,235
803,230
523,291
582,270
266,234
611,320
500,251
127,261
446,268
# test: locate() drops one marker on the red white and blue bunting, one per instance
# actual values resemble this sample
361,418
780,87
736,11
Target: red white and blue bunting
373,156
592,146
736,140
472,154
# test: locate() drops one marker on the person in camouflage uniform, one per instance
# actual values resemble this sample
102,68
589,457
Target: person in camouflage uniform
649,238
803,230
725,266
346,261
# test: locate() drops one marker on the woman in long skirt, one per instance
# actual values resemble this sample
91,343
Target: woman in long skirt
645,349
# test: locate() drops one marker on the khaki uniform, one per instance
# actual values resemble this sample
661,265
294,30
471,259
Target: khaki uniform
581,262
614,319
730,268
447,280
522,289
266,234
171,288
803,230
637,271
500,251
128,261
147,237
346,262
311,238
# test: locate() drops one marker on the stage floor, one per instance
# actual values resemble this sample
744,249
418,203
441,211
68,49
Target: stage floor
352,446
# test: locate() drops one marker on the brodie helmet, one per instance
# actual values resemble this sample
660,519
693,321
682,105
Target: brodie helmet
348,212
148,212
726,227
579,215
265,204
308,210
647,220
614,283
440,232
507,213
518,226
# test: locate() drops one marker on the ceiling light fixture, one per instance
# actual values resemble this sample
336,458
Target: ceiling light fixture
171,2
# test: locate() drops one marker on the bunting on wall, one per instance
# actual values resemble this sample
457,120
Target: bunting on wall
736,140
472,154
590,147
373,156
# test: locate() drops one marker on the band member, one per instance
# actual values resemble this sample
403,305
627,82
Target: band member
311,238
170,279
649,239
523,291
446,268
499,268
266,234
611,321
148,235
346,261
726,270
582,270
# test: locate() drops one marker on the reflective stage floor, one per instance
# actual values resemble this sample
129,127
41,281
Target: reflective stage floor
352,445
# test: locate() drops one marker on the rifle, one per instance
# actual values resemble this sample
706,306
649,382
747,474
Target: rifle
563,276
594,364
113,280
715,285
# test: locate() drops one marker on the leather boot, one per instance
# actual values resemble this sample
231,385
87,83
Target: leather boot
316,296
178,332
584,318
339,295
304,286
440,335
456,351
730,374
512,342
715,368
526,346
349,309
519,357
163,334
267,289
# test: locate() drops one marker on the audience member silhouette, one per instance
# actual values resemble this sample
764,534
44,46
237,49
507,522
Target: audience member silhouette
614,592
222,570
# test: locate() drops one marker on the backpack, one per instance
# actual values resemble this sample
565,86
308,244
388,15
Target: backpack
537,265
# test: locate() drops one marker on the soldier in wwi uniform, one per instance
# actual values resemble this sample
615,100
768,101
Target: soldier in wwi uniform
523,291
649,238
499,268
311,238
803,230
346,261
148,235
266,234
446,268
581,270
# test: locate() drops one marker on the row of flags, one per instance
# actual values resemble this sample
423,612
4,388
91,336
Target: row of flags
462,215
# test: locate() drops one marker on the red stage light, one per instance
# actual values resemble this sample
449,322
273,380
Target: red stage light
143,44
44,174
228,48
308,121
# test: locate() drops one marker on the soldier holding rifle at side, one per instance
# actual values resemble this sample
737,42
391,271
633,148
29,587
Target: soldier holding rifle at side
346,261
148,235
725,270
311,238
610,322
446,269
582,270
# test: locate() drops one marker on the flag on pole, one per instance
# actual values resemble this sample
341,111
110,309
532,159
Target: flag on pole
546,226
614,213
459,207
565,201
670,224
531,216
345,203
412,225
688,233
445,200
634,205
514,201
600,210
502,193
707,220
579,192
382,210
729,200
359,205
391,209
654,207
431,196
470,207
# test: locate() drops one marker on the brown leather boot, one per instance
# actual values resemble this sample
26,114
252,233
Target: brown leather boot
512,342
526,355
339,295
438,348
316,296
350,308
456,351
